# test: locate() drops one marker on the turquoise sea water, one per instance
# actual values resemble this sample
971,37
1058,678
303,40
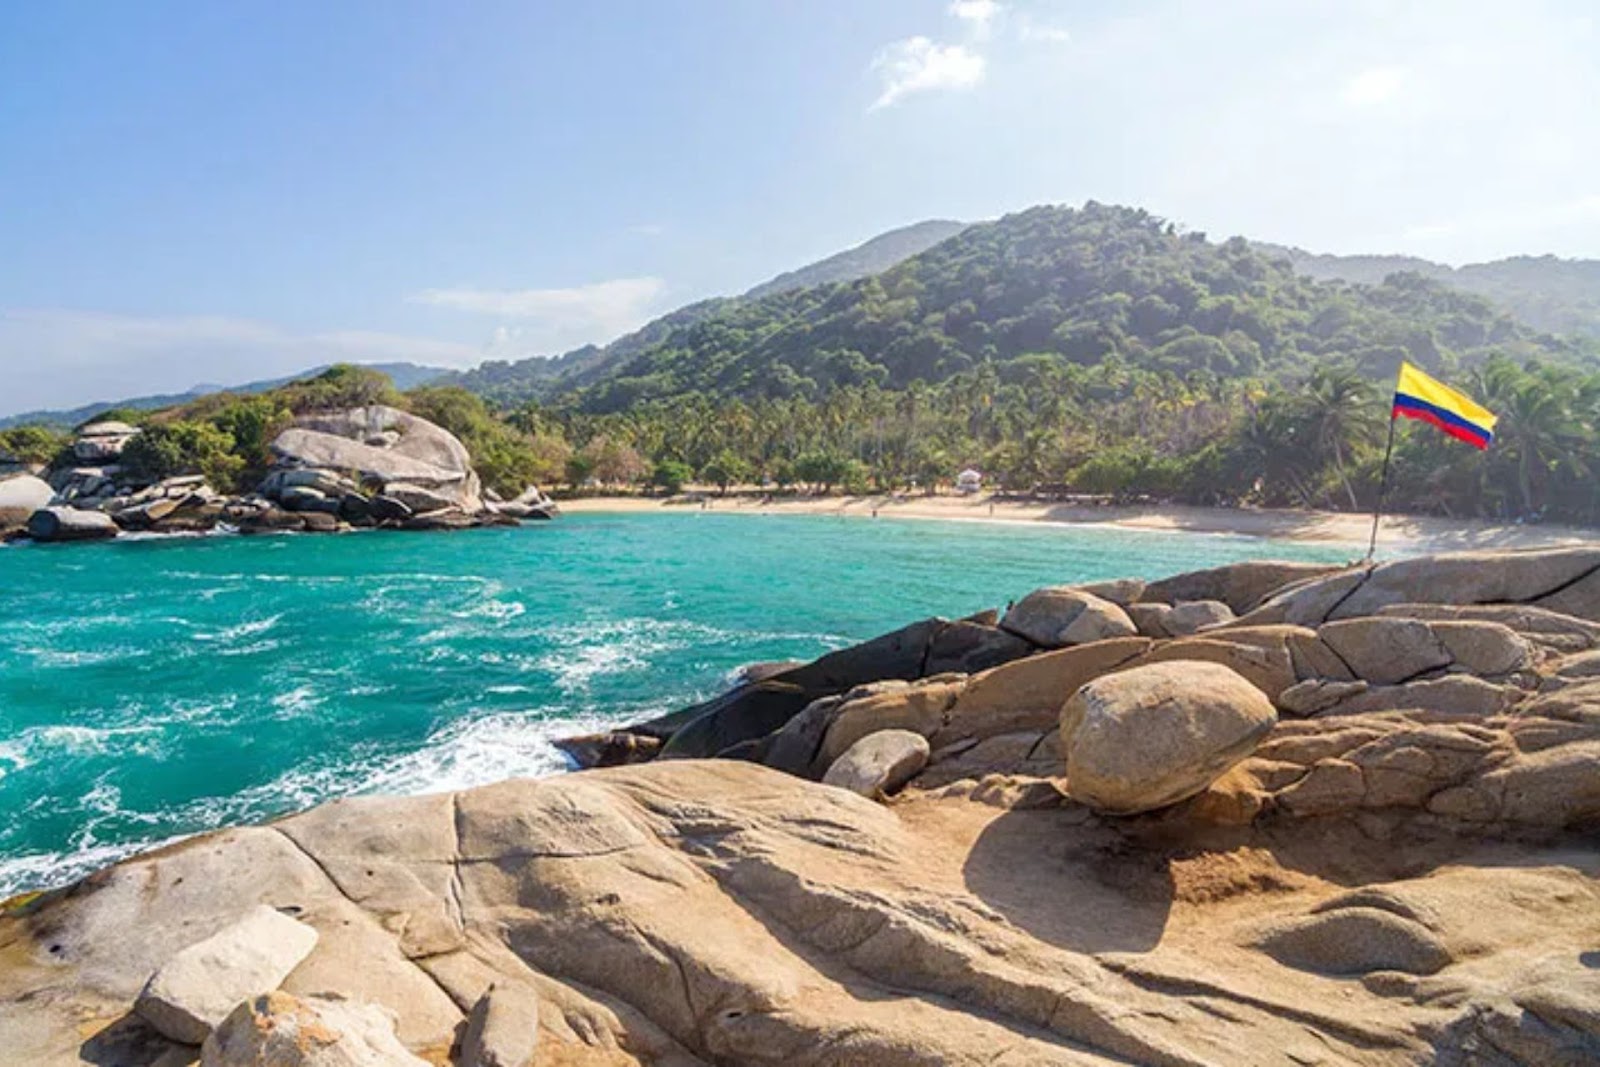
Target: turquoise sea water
154,688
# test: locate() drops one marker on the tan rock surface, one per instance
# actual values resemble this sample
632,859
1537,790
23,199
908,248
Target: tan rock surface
278,1030
1408,877
698,912
1565,580
1150,736
1061,616
879,763
195,990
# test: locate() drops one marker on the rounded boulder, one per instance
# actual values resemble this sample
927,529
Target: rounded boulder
1151,736
881,762
70,524
1059,616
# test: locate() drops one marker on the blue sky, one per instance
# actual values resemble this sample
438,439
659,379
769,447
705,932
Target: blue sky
216,192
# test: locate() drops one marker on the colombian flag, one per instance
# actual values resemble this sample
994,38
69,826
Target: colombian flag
1418,396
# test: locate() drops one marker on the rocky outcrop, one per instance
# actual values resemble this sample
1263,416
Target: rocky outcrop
102,442
367,467
704,912
192,993
1150,736
1407,876
751,713
393,453
380,466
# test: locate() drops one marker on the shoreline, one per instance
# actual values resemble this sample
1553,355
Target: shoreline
1410,532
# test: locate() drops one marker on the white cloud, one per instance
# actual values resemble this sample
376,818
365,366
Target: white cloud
1375,85
917,65
981,14
62,357
603,309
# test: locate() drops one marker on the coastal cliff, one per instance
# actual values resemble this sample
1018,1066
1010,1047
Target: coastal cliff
1257,815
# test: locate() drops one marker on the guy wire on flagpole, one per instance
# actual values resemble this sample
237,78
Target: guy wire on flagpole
1383,486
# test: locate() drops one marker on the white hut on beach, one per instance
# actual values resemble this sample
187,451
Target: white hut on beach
969,481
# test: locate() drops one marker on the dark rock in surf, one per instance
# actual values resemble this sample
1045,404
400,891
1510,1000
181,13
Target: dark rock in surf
70,524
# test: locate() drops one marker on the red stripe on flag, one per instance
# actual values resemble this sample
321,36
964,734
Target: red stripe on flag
1460,433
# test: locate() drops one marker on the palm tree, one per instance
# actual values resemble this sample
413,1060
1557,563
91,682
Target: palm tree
1539,430
1342,415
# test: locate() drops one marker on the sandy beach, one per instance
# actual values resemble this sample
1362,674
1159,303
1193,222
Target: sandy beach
1398,532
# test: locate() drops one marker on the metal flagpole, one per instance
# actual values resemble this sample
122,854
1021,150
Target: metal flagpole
1383,487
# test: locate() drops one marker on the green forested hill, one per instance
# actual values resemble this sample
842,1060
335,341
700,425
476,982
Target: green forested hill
1096,350
1066,286
1548,293
511,380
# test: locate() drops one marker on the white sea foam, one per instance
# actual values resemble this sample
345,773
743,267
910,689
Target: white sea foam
477,751
586,651
44,870
45,742
12,758
61,657
296,701
243,629
492,609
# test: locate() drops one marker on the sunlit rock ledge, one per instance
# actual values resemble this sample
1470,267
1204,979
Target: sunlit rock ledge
1346,816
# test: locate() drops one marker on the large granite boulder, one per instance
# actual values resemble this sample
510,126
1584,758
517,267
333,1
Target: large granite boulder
1549,631
102,442
1061,616
1150,736
1181,619
1241,586
377,446
280,1030
195,990
750,712
70,524
969,646
21,491
20,496
1565,580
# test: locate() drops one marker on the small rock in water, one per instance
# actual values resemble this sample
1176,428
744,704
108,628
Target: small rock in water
195,990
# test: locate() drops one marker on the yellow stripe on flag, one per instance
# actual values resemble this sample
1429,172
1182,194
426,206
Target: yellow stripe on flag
1419,396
